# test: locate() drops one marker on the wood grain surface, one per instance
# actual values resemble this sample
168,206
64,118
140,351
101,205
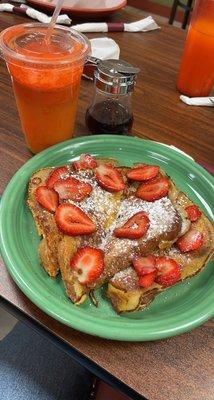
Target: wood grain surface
178,368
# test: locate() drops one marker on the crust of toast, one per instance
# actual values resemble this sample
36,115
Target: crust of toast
46,225
74,290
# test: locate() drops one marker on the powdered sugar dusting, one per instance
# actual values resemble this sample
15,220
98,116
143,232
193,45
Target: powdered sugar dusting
173,251
99,203
126,279
161,214
183,258
86,176
122,274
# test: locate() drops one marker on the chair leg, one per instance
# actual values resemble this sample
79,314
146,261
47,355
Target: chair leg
187,9
186,13
173,12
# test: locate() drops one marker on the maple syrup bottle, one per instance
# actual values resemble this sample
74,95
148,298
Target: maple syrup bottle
111,110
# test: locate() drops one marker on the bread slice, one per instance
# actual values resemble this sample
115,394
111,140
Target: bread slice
102,207
46,225
56,249
123,289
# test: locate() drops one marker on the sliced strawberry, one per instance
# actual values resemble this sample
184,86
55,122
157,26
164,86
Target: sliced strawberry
47,198
86,161
192,240
135,227
109,178
55,175
72,188
147,280
153,190
168,271
72,221
88,264
144,265
193,212
143,172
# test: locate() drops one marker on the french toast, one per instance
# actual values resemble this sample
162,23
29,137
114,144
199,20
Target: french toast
124,290
82,210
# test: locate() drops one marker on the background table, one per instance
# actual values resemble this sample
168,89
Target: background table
176,368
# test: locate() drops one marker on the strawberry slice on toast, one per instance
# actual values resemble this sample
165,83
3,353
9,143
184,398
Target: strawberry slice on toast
86,161
143,172
55,175
71,220
153,190
87,264
109,178
135,227
72,188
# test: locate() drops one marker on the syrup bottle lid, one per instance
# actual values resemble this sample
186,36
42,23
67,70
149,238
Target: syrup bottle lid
115,76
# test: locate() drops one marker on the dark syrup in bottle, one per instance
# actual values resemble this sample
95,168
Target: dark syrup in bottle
109,117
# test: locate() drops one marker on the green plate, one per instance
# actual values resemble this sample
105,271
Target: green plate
179,309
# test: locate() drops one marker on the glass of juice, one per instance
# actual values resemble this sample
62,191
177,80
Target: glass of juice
196,75
46,78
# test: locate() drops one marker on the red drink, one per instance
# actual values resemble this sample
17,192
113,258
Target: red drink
46,79
196,76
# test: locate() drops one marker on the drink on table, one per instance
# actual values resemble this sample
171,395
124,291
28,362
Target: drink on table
46,76
111,110
196,75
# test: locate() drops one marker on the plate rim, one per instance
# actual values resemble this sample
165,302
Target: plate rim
76,10
24,287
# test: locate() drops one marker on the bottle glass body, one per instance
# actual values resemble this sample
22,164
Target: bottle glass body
109,113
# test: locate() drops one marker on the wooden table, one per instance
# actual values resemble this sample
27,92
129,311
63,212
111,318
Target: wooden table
176,368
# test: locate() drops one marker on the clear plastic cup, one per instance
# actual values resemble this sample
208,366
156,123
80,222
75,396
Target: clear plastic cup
46,79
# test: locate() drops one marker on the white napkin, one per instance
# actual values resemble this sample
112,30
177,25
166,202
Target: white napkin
6,7
143,25
41,17
104,48
198,101
91,27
